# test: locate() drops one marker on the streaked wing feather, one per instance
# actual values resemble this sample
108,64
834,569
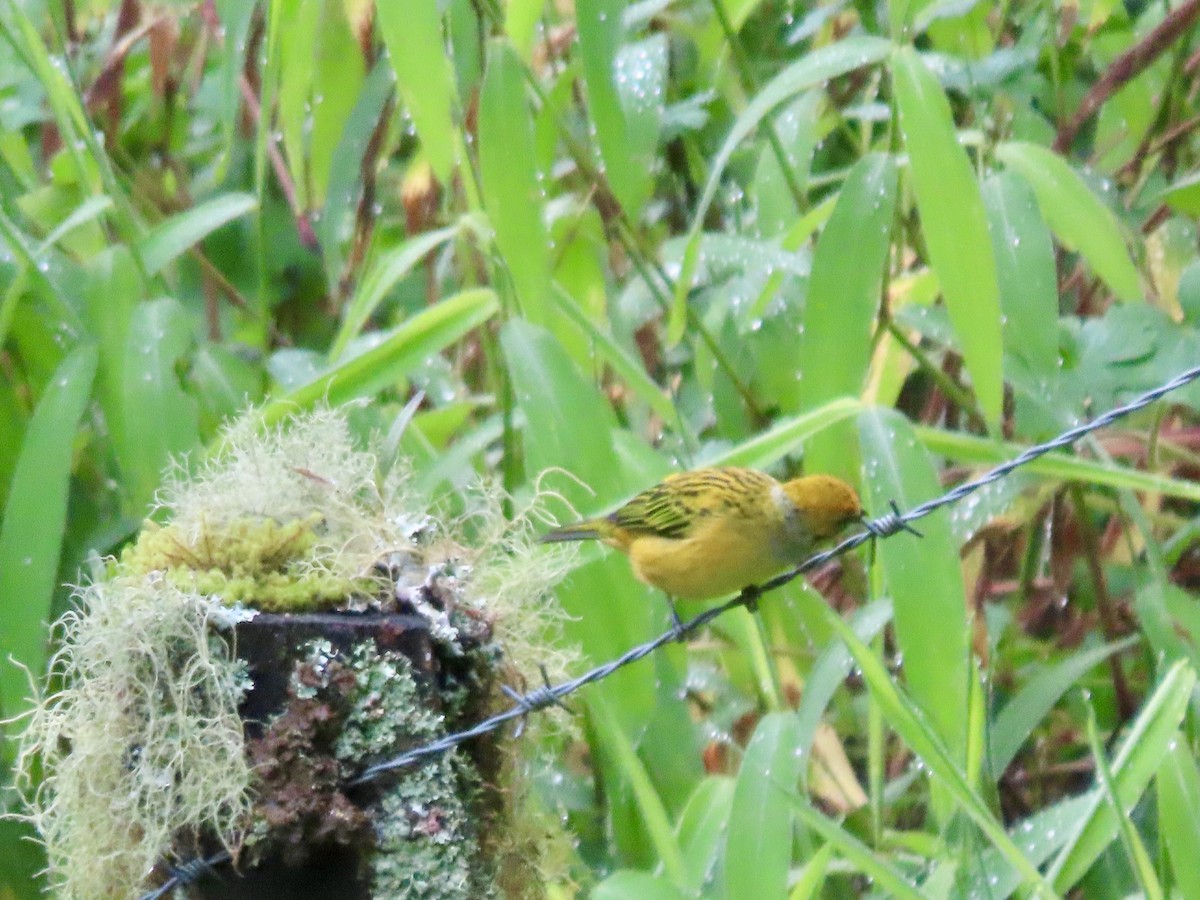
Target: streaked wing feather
672,508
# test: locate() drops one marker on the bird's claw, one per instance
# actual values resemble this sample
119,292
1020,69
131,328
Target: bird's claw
750,597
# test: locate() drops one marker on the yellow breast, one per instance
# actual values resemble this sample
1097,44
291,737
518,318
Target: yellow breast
721,556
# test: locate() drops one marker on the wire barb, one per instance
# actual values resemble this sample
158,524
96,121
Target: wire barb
533,701
188,872
884,526
890,523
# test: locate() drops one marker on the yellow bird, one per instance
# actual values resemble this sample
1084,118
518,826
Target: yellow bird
712,532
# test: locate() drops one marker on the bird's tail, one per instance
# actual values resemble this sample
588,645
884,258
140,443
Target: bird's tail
591,529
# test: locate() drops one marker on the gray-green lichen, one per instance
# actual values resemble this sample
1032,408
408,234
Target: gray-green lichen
427,834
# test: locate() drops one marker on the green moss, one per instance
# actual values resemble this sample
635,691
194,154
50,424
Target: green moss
249,561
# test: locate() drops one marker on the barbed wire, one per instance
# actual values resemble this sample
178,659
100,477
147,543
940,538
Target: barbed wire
883,526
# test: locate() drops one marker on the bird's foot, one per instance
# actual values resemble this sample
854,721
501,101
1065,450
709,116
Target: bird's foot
678,629
750,596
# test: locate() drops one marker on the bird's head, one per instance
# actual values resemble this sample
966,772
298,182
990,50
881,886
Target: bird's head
824,503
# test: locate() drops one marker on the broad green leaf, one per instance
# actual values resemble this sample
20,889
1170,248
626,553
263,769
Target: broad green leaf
569,425
1178,791
1025,267
1141,753
758,843
568,422
159,419
173,237
954,224
380,278
922,575
817,67
111,288
520,24
601,35
412,32
23,862
1077,216
511,191
640,71
428,332
843,296
35,519
811,880
1039,836
46,278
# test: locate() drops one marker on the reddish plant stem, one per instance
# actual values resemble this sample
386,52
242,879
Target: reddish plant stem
1128,66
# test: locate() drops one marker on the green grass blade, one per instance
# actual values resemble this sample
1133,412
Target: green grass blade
910,723
1077,216
630,370
601,34
429,332
511,190
654,814
787,436
1178,790
702,827
35,518
158,420
1139,860
843,297
87,211
628,884
1062,466
1016,721
380,278
1025,268
758,844
412,32
176,235
812,69
830,670
954,223
1136,762
869,863
922,575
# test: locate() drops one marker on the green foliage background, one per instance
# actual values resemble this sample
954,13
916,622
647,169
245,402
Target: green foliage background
893,242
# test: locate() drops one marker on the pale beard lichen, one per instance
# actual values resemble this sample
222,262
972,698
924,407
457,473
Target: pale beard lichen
142,745
143,741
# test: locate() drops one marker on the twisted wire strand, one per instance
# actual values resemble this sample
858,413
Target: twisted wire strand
882,526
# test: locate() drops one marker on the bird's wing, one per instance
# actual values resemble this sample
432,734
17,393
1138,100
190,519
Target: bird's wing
671,509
